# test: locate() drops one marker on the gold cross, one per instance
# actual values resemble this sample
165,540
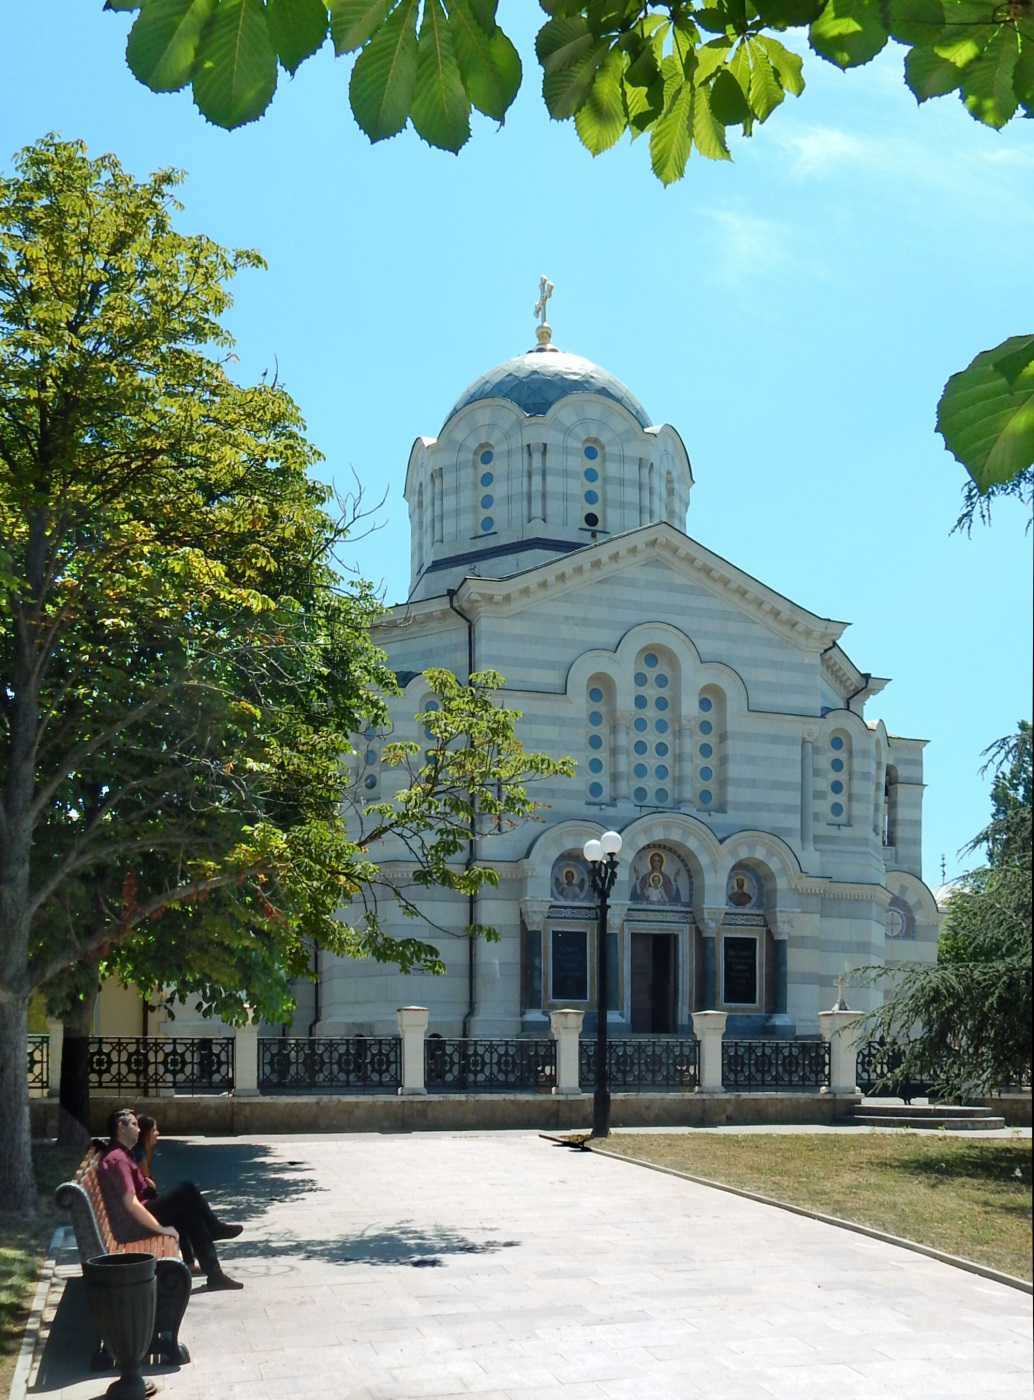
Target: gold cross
543,331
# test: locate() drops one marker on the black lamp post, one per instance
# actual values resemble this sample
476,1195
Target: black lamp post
603,868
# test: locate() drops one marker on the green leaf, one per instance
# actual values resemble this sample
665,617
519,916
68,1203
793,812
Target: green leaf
235,68
354,22
914,21
708,131
163,41
644,106
728,102
710,57
601,119
738,68
297,29
384,76
928,75
440,109
766,91
788,14
986,416
715,21
848,32
1023,76
670,141
987,88
490,66
963,44
562,42
787,64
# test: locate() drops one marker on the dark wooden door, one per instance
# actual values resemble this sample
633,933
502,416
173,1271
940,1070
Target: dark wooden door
653,983
642,983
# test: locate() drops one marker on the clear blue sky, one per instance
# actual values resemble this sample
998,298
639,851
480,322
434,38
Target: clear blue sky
794,314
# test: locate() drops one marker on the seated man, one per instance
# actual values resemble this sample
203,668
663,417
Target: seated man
124,1188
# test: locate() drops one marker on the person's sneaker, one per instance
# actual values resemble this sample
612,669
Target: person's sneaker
226,1232
222,1283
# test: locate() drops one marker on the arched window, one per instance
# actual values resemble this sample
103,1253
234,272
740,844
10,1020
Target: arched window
654,727
669,499
485,512
418,532
878,790
711,757
890,806
437,507
592,485
599,730
644,491
838,785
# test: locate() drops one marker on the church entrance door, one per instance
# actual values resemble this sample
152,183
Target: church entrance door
653,983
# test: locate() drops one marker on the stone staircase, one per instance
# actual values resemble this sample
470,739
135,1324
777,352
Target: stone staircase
878,1113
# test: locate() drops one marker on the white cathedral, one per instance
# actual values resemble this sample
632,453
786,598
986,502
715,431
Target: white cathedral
771,831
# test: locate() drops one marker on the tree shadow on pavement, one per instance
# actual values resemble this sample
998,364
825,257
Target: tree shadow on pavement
240,1179
402,1245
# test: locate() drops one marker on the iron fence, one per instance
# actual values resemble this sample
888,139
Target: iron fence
775,1064
151,1064
635,1063
39,1063
355,1064
488,1066
877,1061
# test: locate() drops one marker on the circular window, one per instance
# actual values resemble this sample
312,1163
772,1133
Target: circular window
662,680
640,702
487,523
591,498
591,474
661,726
706,726
837,809
640,794
661,750
487,478
371,782
705,775
595,695
486,502
371,755
486,456
837,786
650,659
595,741
369,733
428,733
591,452
706,751
595,765
705,798
640,746
640,678
837,765
595,789
661,794
640,770
836,742
595,717
639,724
591,519
661,771
661,702
705,704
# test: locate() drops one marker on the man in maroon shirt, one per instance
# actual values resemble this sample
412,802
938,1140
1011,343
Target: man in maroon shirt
183,1208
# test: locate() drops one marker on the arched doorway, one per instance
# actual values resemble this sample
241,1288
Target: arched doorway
656,934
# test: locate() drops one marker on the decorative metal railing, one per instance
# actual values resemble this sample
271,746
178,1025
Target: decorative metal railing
356,1064
634,1063
39,1063
775,1064
488,1066
877,1061
150,1064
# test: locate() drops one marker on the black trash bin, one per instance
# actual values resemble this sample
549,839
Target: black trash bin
122,1293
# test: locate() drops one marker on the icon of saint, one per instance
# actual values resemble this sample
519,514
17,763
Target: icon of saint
739,894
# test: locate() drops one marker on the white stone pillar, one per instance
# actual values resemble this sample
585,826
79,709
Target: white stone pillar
843,1031
807,793
56,1031
245,1060
709,1027
567,1028
619,757
685,741
413,1028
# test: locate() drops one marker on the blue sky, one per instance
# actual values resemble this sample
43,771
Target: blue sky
794,314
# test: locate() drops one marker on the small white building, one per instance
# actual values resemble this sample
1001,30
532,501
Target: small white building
772,833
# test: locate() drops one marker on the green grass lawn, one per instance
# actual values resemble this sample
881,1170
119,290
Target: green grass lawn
23,1249
960,1195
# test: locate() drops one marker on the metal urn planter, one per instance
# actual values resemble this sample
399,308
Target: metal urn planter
122,1292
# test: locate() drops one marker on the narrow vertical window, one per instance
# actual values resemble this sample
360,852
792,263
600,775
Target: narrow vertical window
484,489
592,486
711,756
656,721
599,727
839,782
669,499
890,806
418,532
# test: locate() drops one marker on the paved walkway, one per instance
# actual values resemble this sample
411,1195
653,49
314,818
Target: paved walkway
499,1265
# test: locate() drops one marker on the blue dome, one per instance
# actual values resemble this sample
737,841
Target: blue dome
538,379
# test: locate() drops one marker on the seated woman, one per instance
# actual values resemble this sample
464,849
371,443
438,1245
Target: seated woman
141,1155
182,1209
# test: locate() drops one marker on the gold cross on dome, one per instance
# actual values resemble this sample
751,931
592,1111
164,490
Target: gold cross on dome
543,331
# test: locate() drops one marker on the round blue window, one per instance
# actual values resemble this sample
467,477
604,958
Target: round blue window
595,741
837,765
369,733
837,810
705,775
661,702
650,659
661,750
661,726
706,751
706,726
640,746
595,695
640,678
591,498
591,474
836,742
639,724
486,502
705,704
592,452
428,733
595,717
705,798
837,786
486,456
371,755
640,794
661,771
371,781
595,789
487,478
595,765
640,702
662,680
661,794
487,523
640,770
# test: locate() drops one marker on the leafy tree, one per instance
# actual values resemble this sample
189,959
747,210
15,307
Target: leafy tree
965,1023
180,665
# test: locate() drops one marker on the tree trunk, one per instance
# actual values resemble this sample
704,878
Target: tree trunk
17,1182
73,1124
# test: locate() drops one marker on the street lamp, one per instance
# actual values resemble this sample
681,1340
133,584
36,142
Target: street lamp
603,868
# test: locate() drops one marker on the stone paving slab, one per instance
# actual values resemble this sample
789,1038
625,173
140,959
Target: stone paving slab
502,1267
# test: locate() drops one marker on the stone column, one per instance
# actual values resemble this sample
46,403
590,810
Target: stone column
567,1028
808,790
685,739
622,724
842,1029
245,1060
709,1027
710,921
56,1032
412,1028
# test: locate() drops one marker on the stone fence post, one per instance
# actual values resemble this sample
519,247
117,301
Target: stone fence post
245,1060
843,1031
567,1029
413,1028
709,1027
56,1032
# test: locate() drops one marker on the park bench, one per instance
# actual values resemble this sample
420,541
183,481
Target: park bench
83,1200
